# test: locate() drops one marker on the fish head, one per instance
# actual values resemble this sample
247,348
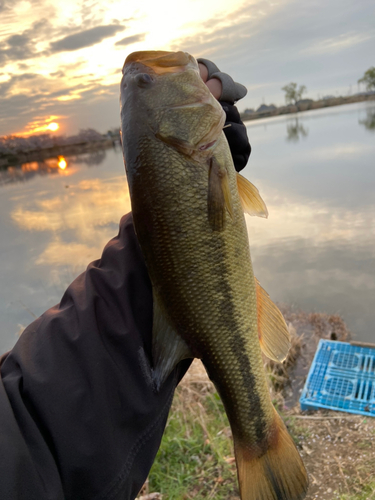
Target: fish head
163,98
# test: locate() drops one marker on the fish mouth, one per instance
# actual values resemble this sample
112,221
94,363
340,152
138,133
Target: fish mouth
154,64
161,61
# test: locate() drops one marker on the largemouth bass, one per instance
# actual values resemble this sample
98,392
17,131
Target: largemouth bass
188,203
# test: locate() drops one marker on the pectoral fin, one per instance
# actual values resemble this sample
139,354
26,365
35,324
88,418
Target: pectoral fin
219,196
251,200
273,333
168,347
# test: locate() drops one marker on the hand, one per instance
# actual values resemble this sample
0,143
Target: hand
221,85
214,84
228,92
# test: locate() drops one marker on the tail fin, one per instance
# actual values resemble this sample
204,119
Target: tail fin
279,474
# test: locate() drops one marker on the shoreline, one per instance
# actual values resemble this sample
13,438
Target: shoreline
42,154
66,150
305,105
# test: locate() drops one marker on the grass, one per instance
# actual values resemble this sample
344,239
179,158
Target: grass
195,459
367,493
298,432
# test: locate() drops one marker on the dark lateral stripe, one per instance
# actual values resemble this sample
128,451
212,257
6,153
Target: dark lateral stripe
238,348
238,352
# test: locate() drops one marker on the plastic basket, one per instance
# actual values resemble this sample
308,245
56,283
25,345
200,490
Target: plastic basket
341,377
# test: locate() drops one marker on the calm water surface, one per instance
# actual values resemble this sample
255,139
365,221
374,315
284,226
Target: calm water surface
316,251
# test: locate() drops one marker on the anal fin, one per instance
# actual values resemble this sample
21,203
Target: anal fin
273,332
168,347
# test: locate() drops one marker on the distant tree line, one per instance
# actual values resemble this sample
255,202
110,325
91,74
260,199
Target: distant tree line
293,93
369,78
13,144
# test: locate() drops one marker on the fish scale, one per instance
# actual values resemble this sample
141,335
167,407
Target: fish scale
189,221
200,312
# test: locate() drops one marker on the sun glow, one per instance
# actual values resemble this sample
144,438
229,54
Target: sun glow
53,126
85,68
40,126
62,163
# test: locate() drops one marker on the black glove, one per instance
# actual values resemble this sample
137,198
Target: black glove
231,90
235,130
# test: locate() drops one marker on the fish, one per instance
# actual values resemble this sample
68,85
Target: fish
188,205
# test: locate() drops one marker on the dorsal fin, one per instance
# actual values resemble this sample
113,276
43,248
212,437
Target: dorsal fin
251,200
168,347
273,332
219,196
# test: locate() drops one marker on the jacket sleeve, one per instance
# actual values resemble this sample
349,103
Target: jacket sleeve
235,132
79,416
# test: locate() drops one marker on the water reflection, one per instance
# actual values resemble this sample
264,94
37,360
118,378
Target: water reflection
369,121
93,158
26,171
75,220
295,131
316,251
51,166
52,227
62,163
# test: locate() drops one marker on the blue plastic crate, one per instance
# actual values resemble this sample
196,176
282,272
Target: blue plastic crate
341,377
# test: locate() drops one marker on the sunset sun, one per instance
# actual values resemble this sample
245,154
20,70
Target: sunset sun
53,126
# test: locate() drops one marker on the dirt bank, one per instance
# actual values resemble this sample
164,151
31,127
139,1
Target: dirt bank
338,448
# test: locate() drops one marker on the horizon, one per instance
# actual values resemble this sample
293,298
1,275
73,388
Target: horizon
66,69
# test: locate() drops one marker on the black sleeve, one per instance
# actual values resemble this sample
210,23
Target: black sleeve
236,136
79,417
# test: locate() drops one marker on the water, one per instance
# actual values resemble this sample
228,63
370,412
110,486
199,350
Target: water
316,173
316,251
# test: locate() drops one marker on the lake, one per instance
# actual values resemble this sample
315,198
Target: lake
316,251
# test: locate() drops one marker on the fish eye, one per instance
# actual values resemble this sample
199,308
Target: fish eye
143,80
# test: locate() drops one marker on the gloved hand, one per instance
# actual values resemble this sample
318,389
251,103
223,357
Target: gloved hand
231,91
227,92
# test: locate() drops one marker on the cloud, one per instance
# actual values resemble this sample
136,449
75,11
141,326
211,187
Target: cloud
18,40
7,86
5,5
128,40
312,45
85,38
23,98
341,42
21,46
16,49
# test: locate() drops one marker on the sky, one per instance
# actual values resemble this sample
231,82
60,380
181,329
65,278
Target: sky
60,62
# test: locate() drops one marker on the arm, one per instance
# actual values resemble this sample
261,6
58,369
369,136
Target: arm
83,420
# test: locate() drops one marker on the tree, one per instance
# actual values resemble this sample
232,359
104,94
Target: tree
292,94
369,78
